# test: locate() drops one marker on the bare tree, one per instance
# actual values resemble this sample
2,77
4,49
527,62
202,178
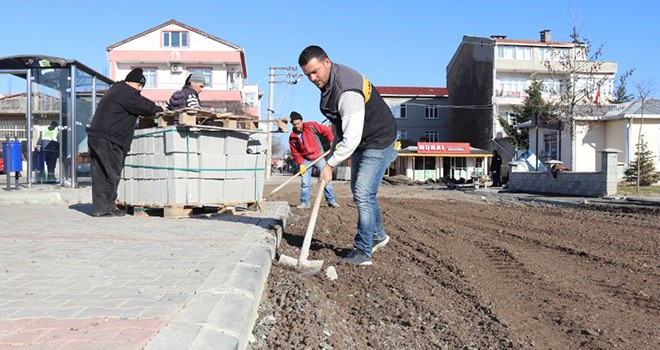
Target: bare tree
643,90
580,69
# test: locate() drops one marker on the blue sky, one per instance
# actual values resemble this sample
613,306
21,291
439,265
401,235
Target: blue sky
403,43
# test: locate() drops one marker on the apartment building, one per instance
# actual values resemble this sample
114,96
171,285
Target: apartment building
488,76
420,112
171,51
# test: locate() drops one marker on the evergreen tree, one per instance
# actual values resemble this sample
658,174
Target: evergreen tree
621,94
532,104
643,158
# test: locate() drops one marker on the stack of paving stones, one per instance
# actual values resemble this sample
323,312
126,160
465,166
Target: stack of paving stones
187,166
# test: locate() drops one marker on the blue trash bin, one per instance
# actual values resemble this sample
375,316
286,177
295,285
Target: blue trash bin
15,161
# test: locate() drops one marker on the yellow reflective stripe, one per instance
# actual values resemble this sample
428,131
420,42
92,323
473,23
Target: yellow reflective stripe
366,89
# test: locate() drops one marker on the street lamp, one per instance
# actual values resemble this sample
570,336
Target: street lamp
292,77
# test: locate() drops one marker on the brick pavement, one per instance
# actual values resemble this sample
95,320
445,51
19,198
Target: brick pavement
72,281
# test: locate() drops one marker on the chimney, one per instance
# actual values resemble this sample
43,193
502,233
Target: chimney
497,36
545,35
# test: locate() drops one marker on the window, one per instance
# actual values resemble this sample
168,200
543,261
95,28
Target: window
398,111
175,39
512,86
550,145
506,52
401,135
150,75
205,71
250,99
524,53
432,112
432,136
553,87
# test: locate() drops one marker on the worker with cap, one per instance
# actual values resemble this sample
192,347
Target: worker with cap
110,135
188,96
306,147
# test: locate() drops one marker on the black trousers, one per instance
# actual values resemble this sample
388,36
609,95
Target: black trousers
107,163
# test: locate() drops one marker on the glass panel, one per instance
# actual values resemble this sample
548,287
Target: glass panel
176,39
166,39
184,39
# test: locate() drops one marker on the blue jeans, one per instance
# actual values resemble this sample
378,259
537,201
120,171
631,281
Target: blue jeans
367,170
306,183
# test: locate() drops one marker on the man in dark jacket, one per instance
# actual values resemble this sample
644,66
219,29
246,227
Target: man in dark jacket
188,96
110,136
366,132
306,147
495,169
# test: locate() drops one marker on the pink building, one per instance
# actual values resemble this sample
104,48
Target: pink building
170,51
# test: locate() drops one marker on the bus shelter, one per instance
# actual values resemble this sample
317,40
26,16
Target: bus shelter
59,92
441,160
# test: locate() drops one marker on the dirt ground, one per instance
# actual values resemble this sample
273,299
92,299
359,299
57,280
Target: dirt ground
469,270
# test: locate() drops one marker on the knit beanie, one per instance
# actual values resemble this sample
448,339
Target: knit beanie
197,77
295,116
136,76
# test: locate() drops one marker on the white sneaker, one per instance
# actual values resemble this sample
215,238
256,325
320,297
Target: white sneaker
303,206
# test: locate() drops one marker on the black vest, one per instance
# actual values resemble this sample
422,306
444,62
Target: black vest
379,125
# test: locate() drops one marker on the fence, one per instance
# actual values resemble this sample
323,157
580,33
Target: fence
583,184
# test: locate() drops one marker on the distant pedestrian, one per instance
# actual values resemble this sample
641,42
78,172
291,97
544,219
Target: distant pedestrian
495,169
50,145
366,132
110,136
306,147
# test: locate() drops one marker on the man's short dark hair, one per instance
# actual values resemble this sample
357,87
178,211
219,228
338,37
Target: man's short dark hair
310,52
295,116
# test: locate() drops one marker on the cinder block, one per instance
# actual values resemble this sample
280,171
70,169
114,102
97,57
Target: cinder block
211,191
253,189
183,191
211,142
180,141
159,143
245,166
233,191
236,142
183,165
212,166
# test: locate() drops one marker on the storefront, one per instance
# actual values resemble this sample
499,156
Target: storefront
441,160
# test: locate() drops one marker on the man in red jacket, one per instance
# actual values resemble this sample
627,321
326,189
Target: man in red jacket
306,147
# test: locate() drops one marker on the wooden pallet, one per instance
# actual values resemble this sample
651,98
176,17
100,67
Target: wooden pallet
195,117
182,211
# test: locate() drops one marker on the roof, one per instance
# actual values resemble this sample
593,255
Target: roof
48,62
535,42
412,91
175,22
626,110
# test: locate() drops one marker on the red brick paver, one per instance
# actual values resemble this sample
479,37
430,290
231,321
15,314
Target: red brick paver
87,333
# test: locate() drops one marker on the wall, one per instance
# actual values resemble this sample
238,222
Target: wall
590,139
415,123
583,184
470,82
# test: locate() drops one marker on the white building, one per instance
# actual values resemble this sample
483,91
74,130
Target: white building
486,77
170,51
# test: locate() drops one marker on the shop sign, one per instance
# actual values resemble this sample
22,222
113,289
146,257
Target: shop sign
443,147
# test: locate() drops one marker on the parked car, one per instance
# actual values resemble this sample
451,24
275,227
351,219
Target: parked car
2,163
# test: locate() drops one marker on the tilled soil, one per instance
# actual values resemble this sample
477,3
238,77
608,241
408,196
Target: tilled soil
468,270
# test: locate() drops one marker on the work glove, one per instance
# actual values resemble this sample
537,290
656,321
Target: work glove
302,169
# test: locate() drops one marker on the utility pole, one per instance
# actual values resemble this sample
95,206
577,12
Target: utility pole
292,77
